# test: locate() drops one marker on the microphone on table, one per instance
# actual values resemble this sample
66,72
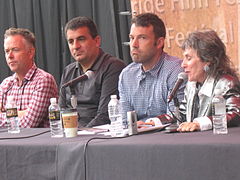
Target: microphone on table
181,78
88,75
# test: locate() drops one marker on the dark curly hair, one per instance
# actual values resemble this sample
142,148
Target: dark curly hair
210,48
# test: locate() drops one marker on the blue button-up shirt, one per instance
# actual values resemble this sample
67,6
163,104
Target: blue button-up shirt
146,92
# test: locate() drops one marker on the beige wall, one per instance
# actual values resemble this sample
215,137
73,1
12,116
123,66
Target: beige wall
183,16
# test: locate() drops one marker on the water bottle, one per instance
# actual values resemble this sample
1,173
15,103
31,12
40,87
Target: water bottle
219,113
55,119
115,116
12,115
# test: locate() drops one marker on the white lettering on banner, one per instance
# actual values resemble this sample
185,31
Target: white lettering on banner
178,37
158,6
189,4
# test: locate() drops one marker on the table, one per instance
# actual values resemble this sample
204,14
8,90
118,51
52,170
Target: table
153,156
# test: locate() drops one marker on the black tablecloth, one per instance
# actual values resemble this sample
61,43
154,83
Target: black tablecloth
181,156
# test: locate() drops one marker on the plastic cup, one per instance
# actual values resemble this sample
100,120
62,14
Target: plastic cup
70,122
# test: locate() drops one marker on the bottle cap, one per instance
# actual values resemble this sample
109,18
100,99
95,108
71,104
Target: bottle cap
10,98
113,96
218,91
53,100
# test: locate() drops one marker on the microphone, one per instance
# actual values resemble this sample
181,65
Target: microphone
88,75
181,78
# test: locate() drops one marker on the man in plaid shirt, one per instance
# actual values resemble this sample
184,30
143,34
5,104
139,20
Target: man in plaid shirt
30,86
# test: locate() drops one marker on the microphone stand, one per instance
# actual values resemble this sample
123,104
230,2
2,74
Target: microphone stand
73,98
177,112
176,115
74,101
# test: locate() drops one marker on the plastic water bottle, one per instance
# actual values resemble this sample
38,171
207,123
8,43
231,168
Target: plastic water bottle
115,116
55,119
12,115
219,113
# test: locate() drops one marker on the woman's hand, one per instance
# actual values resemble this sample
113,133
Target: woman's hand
188,127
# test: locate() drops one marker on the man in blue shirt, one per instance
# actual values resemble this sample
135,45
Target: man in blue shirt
145,84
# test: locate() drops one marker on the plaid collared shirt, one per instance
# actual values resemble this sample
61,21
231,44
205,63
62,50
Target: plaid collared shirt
33,96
